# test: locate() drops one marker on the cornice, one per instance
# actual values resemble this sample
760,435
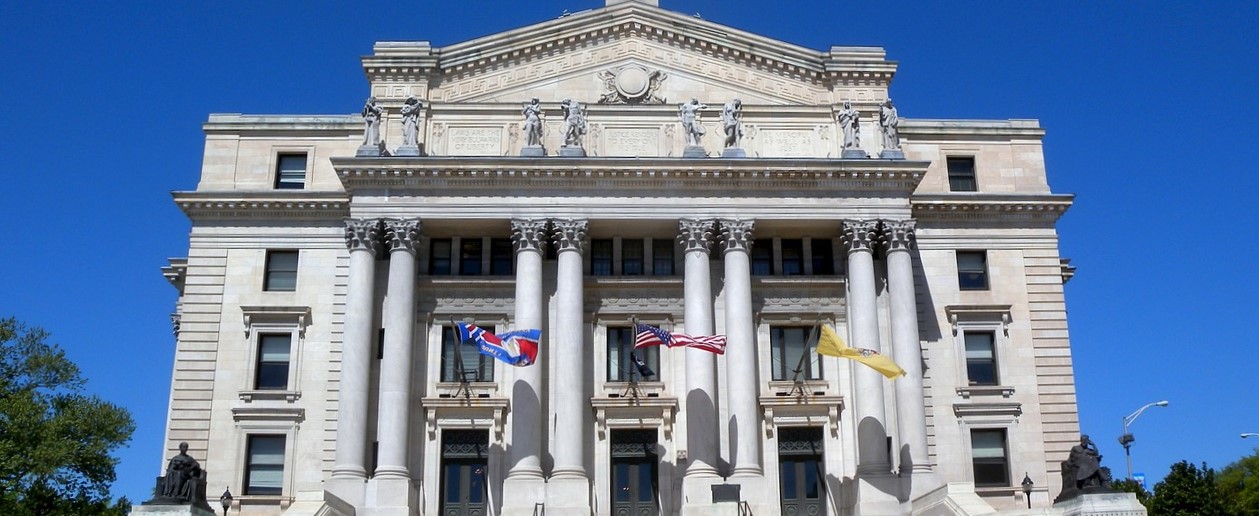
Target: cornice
920,130
510,173
235,123
991,207
263,205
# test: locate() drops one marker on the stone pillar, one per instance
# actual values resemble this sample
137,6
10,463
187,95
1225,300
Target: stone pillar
349,473
742,384
569,488
898,240
524,480
702,431
876,490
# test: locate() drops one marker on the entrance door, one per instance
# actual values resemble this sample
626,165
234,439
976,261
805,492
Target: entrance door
800,473
464,461
634,473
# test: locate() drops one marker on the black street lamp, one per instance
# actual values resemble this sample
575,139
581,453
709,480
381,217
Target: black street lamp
1027,489
226,500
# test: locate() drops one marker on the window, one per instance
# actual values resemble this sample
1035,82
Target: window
290,172
281,275
620,344
463,361
981,358
762,260
793,257
439,257
470,257
662,256
273,362
632,257
601,257
264,469
988,455
823,256
789,345
502,256
962,174
972,270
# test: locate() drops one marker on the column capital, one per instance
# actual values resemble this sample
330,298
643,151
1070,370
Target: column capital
860,235
898,235
694,234
737,234
528,234
402,234
570,234
363,235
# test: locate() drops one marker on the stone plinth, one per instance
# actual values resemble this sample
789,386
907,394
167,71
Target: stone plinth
371,151
1102,504
572,152
694,151
857,154
892,154
409,151
532,151
169,510
734,152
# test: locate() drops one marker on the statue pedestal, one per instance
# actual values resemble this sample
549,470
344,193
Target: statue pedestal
532,151
371,151
1102,504
169,510
892,154
571,152
694,151
857,154
733,152
409,151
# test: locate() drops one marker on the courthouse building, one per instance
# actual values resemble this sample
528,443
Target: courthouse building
317,371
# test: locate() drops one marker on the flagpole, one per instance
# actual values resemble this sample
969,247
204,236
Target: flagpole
797,385
464,386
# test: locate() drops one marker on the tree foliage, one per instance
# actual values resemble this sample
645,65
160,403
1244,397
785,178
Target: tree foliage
1238,485
1131,486
1187,491
55,440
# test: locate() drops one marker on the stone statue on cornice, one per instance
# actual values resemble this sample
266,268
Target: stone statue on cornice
574,122
890,123
372,114
689,114
532,125
850,122
732,121
411,122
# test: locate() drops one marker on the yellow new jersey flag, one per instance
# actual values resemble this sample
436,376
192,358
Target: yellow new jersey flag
831,345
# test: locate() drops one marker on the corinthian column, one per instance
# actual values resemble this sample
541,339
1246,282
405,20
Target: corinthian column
741,364
401,237
898,240
362,236
569,488
701,366
528,237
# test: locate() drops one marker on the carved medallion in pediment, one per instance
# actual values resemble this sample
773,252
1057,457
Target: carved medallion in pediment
632,84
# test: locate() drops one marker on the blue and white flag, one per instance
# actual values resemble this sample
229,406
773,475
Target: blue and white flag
518,348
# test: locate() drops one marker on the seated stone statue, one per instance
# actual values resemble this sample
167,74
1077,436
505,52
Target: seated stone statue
1083,471
184,482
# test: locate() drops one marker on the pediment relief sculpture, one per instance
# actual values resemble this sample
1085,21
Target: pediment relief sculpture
632,84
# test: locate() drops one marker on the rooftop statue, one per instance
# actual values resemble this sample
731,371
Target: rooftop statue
574,122
372,113
532,125
890,123
411,122
689,113
850,122
732,121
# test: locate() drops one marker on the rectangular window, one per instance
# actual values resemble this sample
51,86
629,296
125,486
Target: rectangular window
988,455
631,257
962,174
793,256
601,257
662,256
981,358
439,257
462,361
264,467
502,256
788,345
620,344
823,256
972,270
290,172
470,257
281,274
762,259
273,361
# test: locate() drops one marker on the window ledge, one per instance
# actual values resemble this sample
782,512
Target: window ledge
616,389
259,395
473,390
810,387
1003,491
1011,410
263,414
985,390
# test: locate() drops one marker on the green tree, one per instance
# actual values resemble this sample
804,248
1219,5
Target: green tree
1238,484
1187,491
55,440
1131,486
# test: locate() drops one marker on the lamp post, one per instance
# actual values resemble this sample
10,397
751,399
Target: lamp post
1027,489
226,500
1249,434
1126,439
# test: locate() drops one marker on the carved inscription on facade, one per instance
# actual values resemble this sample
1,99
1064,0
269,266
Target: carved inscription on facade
626,141
475,141
786,143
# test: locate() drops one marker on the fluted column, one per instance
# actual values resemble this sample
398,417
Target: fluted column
859,237
741,364
528,238
569,351
701,366
401,238
898,241
362,237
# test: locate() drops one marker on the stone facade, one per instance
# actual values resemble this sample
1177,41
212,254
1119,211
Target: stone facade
360,415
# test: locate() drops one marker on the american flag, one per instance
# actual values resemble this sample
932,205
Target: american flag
648,335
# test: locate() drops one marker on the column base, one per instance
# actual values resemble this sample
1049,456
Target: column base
348,490
526,493
919,481
878,495
391,496
567,496
697,495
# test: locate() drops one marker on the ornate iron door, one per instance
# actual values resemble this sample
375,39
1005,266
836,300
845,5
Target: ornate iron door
634,473
800,475
464,461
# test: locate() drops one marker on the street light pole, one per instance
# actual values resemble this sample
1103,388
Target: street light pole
1249,434
1126,439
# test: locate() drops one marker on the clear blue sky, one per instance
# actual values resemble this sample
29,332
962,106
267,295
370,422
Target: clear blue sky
1150,109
